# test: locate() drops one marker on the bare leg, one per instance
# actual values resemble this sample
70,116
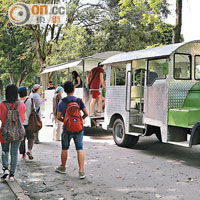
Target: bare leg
64,155
59,130
54,128
80,155
99,103
92,104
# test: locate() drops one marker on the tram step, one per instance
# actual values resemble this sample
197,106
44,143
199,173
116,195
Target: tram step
183,144
134,134
97,117
138,126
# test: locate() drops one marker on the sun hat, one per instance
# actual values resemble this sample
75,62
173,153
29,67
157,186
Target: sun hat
36,86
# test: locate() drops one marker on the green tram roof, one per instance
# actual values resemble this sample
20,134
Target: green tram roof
145,53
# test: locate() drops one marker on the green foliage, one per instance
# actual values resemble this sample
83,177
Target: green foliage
153,12
132,35
72,46
17,55
89,29
99,30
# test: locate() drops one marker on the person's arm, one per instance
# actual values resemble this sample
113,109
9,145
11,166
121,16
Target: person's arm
38,101
59,116
59,112
58,98
83,108
102,80
85,113
79,82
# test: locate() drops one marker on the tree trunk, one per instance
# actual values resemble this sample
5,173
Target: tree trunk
50,76
19,80
41,43
45,78
44,81
1,88
12,81
177,28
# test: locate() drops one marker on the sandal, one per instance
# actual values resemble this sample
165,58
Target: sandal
11,178
5,174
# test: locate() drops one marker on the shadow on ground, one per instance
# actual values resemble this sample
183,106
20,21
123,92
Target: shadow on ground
98,134
151,146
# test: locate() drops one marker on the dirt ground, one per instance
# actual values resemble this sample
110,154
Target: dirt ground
149,171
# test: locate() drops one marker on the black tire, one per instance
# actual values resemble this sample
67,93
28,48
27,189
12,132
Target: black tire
121,139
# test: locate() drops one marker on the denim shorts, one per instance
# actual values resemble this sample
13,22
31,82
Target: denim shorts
66,138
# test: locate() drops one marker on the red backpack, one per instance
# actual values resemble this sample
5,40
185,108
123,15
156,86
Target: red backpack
73,120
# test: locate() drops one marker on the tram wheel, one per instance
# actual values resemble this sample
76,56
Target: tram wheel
119,136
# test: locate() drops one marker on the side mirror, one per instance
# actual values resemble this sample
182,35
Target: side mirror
165,68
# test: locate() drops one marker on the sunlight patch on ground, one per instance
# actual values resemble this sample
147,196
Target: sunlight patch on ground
89,139
145,189
177,162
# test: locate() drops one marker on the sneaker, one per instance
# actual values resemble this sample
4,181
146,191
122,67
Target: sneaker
24,156
29,154
82,175
97,113
5,174
11,178
61,170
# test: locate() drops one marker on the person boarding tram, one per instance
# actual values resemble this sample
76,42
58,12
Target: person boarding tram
95,79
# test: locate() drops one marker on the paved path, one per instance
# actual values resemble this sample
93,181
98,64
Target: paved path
12,191
5,192
150,171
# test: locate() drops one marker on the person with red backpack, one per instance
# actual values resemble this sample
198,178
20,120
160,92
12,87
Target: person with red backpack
12,116
69,112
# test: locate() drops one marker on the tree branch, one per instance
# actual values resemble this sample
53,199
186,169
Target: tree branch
52,36
24,78
44,39
11,78
38,48
58,33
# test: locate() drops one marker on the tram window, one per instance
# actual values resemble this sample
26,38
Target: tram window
155,70
197,67
182,66
138,77
118,76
